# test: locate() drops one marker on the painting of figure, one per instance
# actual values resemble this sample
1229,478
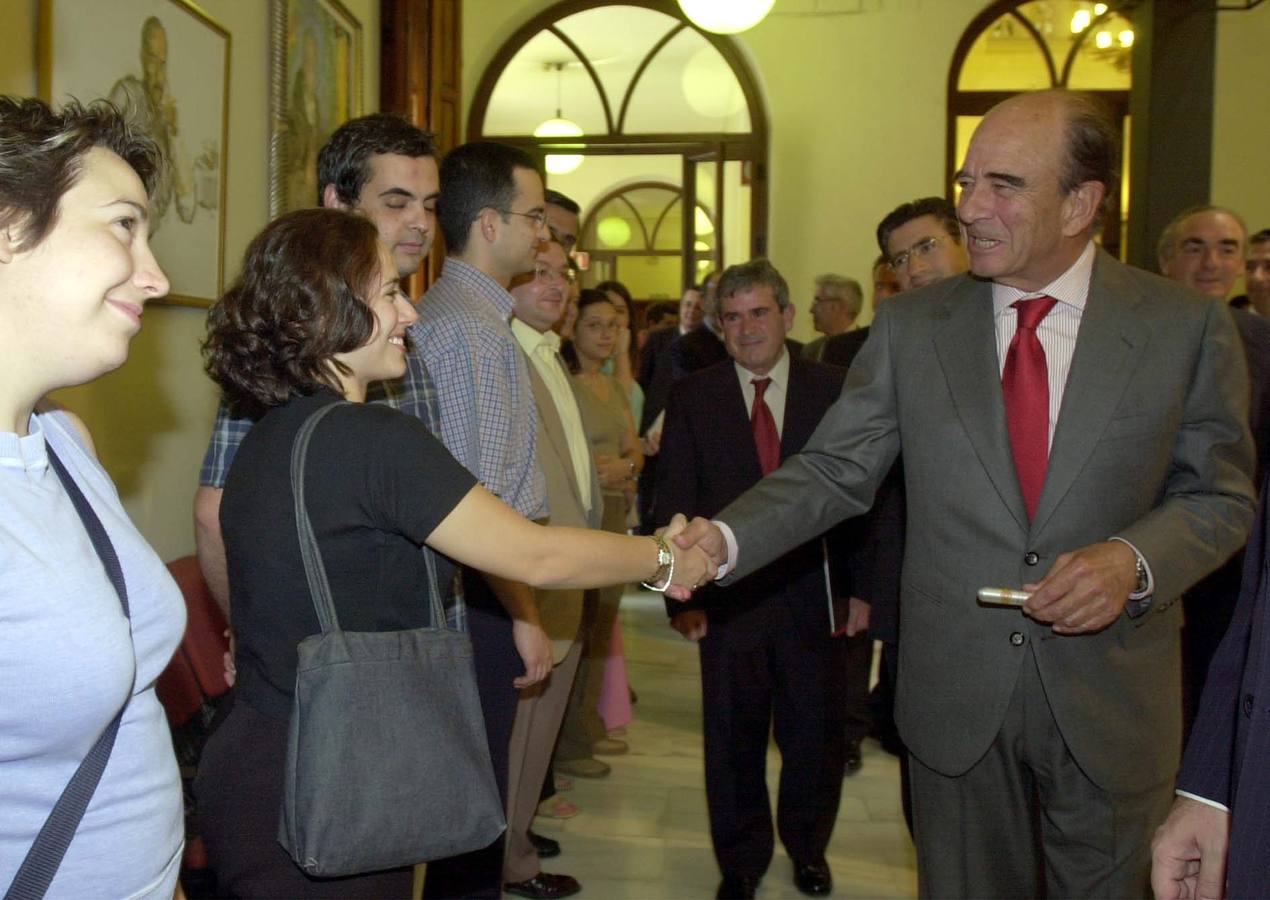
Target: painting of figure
152,59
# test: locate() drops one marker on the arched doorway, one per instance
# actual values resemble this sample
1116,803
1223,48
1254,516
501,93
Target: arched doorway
655,100
1015,46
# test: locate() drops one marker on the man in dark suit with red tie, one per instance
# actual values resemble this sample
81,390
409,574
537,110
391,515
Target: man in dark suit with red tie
767,653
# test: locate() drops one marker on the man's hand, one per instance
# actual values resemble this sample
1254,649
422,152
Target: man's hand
534,648
691,623
857,616
706,536
1085,590
1188,853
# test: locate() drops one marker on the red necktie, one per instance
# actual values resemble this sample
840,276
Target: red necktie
764,426
1025,384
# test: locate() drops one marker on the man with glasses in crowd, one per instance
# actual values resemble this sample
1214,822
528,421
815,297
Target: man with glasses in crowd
834,310
492,214
922,242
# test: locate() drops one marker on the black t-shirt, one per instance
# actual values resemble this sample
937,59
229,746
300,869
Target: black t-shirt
376,485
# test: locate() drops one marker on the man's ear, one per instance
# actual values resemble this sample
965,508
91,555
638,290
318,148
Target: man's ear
487,224
1081,206
789,317
331,198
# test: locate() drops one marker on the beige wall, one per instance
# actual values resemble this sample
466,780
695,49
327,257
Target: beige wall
1241,116
152,417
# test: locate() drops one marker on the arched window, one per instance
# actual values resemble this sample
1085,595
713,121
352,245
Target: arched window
645,97
1027,45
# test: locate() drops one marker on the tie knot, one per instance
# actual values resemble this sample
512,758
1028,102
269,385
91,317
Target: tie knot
760,386
1032,312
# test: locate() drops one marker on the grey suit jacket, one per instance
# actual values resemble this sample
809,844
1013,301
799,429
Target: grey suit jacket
1151,445
561,610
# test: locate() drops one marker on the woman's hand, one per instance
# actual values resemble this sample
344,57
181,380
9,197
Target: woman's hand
616,472
622,344
693,567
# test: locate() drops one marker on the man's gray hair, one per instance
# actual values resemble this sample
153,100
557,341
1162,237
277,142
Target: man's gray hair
752,274
846,289
1166,249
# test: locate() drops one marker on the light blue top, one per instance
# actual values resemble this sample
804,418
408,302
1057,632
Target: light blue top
67,661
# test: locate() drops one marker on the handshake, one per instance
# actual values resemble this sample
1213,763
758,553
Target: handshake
699,549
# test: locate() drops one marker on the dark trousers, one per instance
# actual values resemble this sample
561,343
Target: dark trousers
859,664
761,671
1026,822
480,873
239,791
882,709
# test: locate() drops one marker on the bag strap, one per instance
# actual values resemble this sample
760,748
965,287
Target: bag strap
314,568
45,856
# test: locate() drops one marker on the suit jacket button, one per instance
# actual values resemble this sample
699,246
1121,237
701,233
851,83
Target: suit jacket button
1249,703
1032,558
1017,638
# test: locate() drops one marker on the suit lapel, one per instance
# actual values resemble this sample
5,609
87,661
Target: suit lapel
734,419
1107,351
553,427
967,352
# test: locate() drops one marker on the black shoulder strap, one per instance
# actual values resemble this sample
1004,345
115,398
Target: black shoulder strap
40,865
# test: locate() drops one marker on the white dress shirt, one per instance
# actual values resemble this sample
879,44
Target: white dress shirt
774,396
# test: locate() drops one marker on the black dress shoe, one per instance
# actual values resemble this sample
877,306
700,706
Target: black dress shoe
814,878
544,886
737,887
853,759
545,846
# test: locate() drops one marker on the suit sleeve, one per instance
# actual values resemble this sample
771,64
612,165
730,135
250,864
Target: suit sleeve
1208,499
836,474
676,490
1209,757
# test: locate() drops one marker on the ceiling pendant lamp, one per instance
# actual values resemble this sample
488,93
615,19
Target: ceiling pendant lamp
558,127
725,16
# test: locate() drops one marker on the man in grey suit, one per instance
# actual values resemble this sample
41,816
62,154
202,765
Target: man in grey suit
1072,428
573,495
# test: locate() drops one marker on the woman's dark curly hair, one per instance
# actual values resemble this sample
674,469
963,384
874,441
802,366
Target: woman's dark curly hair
299,300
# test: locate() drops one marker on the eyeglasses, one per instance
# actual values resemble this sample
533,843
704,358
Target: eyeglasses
567,241
548,274
818,300
924,247
539,218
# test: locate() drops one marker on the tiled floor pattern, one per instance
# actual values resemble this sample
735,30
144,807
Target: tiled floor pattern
644,832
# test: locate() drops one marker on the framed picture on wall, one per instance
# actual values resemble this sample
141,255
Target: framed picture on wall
315,87
166,64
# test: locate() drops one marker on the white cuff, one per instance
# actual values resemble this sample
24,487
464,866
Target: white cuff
1150,588
1204,800
730,539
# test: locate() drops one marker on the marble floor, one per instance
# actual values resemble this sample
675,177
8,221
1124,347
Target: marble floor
644,832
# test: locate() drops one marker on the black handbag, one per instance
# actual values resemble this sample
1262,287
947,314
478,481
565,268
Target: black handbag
41,862
387,761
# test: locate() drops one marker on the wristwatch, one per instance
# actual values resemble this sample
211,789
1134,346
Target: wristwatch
1139,607
665,566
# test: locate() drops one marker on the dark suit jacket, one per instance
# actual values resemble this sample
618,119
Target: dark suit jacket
1228,756
695,351
656,374
1151,445
876,559
708,458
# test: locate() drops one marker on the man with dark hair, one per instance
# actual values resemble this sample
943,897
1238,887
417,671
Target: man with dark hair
1073,430
768,653
563,219
491,212
922,242
385,169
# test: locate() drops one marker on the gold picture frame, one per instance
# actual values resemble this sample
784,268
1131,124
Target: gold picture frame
315,85
152,58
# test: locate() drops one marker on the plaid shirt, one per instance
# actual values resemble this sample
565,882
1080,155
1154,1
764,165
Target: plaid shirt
487,415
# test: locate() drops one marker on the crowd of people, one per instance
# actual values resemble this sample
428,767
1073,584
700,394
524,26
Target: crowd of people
1030,478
